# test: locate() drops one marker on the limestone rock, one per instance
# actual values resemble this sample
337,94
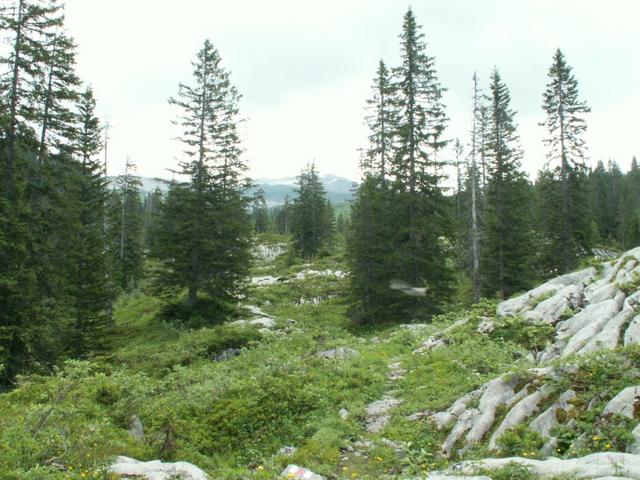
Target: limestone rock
156,470
596,465
632,335
339,353
227,354
296,472
344,413
377,413
287,451
624,403
136,429
522,410
546,421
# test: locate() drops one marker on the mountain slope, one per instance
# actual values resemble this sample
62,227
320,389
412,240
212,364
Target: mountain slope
536,375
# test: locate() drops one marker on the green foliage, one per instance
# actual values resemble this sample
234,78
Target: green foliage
507,244
520,441
311,219
532,336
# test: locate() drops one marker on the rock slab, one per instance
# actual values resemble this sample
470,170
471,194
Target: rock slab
127,467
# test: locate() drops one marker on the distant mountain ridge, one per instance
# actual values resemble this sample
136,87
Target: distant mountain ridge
339,189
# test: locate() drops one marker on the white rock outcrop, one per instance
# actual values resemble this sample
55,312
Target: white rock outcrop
624,403
127,467
597,465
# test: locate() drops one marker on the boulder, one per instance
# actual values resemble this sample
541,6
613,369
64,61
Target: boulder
136,429
339,353
624,403
127,467
296,472
596,465
522,410
287,451
632,335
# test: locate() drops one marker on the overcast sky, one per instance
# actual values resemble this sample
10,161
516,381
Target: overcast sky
305,68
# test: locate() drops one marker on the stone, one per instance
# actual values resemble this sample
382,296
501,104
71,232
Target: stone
624,403
552,309
497,392
256,311
296,472
632,335
287,451
264,281
268,253
265,322
462,426
486,326
546,421
605,292
522,410
596,465
635,446
136,429
444,476
609,336
227,354
156,470
340,353
377,413
594,321
344,413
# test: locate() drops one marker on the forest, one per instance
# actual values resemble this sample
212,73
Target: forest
424,235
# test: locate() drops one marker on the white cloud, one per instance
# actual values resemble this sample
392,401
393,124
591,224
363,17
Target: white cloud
304,69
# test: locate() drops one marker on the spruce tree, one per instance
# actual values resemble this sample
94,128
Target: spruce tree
284,216
567,229
205,244
130,254
416,173
89,276
260,212
311,215
507,233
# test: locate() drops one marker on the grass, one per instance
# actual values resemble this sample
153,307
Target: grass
232,417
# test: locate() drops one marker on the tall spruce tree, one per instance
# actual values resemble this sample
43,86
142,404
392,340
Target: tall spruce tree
567,232
130,254
416,172
89,276
507,233
205,224
312,224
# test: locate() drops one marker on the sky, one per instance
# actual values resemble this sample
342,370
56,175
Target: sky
305,70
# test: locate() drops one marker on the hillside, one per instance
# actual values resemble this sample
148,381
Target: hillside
339,189
552,372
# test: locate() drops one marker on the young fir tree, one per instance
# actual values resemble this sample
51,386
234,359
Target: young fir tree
89,276
312,225
130,253
507,234
205,244
283,216
152,206
422,219
567,229
260,212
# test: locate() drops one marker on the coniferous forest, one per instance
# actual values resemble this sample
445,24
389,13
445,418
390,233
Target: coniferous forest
98,277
